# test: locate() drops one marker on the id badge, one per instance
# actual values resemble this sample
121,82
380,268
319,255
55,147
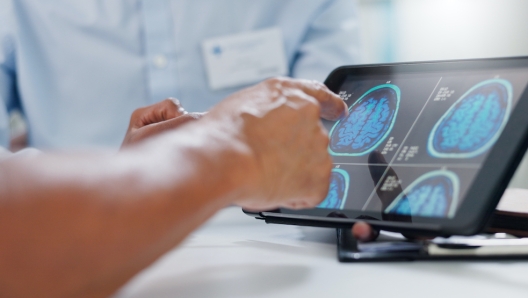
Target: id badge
242,59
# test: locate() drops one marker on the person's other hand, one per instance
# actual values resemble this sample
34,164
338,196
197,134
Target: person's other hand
364,232
279,122
154,119
379,173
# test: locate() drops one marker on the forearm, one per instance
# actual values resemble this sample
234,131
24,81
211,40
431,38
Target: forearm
83,225
102,219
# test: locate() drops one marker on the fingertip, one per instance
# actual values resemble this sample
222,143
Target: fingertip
336,107
364,232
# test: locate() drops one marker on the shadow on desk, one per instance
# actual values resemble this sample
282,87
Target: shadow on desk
323,237
232,281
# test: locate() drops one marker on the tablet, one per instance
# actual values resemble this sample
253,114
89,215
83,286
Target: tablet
428,147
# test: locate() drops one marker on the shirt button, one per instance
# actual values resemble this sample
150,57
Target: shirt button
160,61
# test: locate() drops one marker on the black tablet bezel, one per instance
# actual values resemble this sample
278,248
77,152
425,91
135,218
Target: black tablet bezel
487,188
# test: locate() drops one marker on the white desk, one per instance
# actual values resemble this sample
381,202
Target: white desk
234,255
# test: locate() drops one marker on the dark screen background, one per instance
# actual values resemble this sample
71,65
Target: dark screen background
384,175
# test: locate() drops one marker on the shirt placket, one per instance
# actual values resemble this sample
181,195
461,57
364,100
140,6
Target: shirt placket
158,39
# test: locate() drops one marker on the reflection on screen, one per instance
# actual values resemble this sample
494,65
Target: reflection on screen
413,144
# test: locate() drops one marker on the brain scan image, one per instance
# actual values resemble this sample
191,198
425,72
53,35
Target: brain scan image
369,123
338,191
434,194
473,124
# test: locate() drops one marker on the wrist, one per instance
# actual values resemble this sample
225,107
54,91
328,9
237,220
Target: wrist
230,165
211,162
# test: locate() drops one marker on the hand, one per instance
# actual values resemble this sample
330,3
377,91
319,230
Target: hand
154,119
279,121
364,232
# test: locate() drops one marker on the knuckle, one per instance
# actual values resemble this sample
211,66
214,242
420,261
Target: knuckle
305,204
324,96
291,205
300,205
282,79
321,86
271,81
318,86
275,81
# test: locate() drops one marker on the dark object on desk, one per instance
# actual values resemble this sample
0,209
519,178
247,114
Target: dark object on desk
513,223
511,216
459,249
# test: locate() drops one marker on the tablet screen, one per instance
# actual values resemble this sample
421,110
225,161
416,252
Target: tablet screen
413,143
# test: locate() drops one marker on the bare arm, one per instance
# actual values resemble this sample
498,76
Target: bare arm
83,225
101,219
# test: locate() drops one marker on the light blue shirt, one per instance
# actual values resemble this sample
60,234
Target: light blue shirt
78,69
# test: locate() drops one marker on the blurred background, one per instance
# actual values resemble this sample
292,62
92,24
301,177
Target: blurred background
418,30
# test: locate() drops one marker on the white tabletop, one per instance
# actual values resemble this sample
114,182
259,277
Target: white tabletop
234,255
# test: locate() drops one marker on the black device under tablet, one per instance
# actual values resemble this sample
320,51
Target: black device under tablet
428,147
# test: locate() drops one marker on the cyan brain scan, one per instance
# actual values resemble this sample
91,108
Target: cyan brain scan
370,121
434,194
338,191
473,124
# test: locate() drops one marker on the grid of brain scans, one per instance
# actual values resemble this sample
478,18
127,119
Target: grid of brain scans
413,144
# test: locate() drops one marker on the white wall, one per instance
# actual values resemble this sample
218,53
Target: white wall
375,21
417,30
411,30
454,29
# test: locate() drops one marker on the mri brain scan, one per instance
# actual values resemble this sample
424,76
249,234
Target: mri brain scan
434,194
473,124
369,123
338,190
